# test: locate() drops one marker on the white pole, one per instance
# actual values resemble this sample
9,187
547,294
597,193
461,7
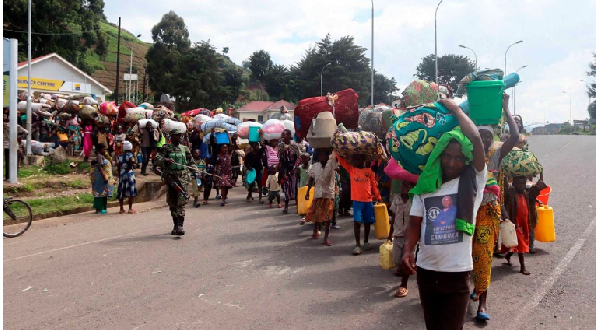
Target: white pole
436,57
29,96
130,68
12,157
372,50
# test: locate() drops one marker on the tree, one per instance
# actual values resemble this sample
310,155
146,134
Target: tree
233,81
102,45
260,64
451,69
592,110
591,89
171,42
384,89
70,27
199,81
225,50
349,68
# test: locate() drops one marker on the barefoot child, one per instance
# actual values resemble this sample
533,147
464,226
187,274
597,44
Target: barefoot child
322,177
400,218
363,193
223,170
520,206
127,186
273,186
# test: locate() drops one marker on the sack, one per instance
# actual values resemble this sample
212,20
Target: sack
347,143
202,118
64,116
508,234
420,92
521,163
108,108
88,112
122,108
244,128
370,120
144,122
227,119
346,111
272,129
147,105
396,172
217,123
89,101
416,132
288,124
102,119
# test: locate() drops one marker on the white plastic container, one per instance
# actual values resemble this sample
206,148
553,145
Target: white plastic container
321,130
508,234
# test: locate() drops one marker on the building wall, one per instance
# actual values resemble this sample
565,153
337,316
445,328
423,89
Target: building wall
55,69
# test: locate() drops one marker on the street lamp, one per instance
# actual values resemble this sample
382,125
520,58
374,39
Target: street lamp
589,98
461,46
322,77
515,91
569,107
372,50
436,57
518,42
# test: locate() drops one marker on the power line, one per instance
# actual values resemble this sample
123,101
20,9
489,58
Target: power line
54,34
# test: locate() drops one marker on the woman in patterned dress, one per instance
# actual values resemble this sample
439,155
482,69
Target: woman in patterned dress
127,186
223,170
289,160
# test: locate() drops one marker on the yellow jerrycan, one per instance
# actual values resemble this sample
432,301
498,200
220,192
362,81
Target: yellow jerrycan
544,231
386,261
304,204
382,221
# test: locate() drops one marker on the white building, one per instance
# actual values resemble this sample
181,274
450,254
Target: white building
53,74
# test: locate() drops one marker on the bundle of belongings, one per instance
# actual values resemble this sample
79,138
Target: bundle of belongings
416,132
348,144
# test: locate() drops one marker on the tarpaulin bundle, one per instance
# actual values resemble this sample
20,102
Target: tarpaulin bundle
416,132
346,110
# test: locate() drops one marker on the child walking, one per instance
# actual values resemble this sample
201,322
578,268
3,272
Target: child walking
102,179
127,187
520,206
363,193
322,177
303,171
253,161
207,179
273,186
400,208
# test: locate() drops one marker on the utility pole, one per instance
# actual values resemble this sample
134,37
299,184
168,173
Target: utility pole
118,53
372,50
29,98
144,86
130,72
436,57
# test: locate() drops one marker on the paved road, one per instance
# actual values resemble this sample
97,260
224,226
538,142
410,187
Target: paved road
248,267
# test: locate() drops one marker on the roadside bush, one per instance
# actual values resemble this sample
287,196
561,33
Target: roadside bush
58,169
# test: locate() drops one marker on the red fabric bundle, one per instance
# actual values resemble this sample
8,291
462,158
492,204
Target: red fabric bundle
123,106
346,111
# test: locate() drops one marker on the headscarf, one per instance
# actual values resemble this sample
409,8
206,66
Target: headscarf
431,179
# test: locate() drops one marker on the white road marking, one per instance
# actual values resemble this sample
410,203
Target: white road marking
80,244
556,273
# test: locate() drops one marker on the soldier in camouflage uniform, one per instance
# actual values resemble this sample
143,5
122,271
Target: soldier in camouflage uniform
173,158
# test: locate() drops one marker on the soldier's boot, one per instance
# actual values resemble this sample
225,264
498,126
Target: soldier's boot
180,230
174,231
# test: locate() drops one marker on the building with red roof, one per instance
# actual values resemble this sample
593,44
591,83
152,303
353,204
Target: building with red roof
261,111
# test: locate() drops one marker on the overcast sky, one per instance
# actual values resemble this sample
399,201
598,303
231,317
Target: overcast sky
558,37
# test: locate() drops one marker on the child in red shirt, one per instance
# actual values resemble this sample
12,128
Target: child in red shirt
363,192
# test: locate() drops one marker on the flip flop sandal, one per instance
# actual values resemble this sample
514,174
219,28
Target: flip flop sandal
315,236
204,203
132,212
357,250
482,316
328,243
401,293
122,211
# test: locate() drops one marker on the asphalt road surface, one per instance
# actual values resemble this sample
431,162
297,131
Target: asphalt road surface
248,267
